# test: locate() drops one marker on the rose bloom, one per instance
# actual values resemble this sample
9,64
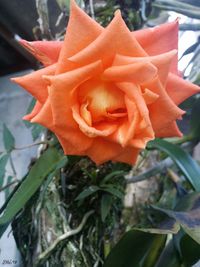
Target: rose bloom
106,92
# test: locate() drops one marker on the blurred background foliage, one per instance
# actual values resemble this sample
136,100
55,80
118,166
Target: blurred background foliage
68,212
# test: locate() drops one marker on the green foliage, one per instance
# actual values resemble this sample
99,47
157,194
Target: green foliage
131,249
3,162
143,248
35,128
104,192
195,122
8,139
189,9
184,161
87,192
43,166
106,204
190,250
169,256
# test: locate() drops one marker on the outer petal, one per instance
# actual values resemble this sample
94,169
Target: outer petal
81,31
73,140
159,40
103,150
179,89
116,38
129,155
163,110
35,84
47,52
162,62
171,130
34,112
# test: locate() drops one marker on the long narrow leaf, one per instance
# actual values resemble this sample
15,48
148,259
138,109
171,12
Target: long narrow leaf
44,165
185,162
130,250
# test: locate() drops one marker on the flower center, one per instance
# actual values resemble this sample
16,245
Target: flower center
100,101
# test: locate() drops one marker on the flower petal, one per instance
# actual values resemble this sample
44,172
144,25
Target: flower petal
105,129
104,98
72,140
149,96
162,62
163,110
103,150
47,52
179,89
34,83
116,38
128,155
171,130
81,31
132,92
139,73
61,92
34,112
159,40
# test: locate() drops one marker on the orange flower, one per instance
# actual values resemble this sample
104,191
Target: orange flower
105,92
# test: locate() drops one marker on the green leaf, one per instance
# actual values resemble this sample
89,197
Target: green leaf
113,174
184,161
8,139
87,192
106,203
154,251
29,110
113,191
7,190
169,226
43,166
130,250
36,131
195,121
3,228
189,215
3,162
62,163
190,250
169,257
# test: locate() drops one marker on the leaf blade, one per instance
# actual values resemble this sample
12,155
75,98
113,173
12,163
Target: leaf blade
45,164
184,161
8,138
